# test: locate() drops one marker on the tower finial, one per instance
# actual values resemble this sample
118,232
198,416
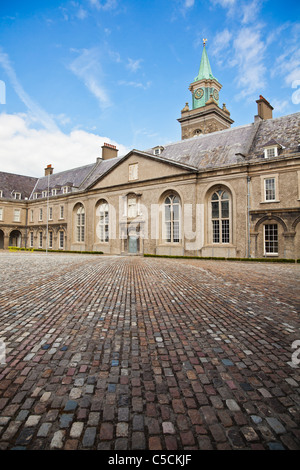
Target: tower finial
204,42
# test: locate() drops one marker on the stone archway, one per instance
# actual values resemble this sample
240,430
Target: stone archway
15,238
1,240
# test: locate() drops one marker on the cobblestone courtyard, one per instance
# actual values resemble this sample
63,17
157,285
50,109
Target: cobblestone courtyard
128,353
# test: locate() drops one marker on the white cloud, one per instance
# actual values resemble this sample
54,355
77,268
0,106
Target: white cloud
37,113
250,11
134,65
105,5
81,13
189,3
25,150
88,69
221,41
249,55
144,86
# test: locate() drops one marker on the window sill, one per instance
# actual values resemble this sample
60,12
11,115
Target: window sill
270,202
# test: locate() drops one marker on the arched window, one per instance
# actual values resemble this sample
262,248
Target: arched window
103,221
80,224
172,218
220,216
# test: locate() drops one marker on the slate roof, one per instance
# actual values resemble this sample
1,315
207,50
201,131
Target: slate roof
235,145
10,182
215,150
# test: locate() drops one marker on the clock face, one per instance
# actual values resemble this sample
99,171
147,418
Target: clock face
216,95
199,93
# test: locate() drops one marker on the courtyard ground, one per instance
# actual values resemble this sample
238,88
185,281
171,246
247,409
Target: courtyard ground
132,353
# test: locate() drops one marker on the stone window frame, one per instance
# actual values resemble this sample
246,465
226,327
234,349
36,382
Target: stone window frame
224,225
80,224
270,240
103,220
265,177
133,171
40,239
61,212
168,232
61,239
17,215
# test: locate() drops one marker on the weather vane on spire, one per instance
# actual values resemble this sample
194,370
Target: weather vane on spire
204,41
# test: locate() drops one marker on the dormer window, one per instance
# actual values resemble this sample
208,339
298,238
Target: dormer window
44,193
1,193
158,150
271,149
17,195
66,189
270,152
35,195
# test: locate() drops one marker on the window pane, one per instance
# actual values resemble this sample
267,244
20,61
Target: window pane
167,213
168,231
215,197
270,189
215,210
175,231
176,212
225,209
225,195
271,239
216,231
225,231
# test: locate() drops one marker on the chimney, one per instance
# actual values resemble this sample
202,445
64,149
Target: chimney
109,151
48,170
264,109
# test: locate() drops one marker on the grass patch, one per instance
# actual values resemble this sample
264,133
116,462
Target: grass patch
257,260
15,248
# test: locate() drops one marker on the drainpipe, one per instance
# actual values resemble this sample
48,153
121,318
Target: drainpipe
248,212
26,226
47,222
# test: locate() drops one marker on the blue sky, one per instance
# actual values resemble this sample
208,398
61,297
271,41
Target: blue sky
75,74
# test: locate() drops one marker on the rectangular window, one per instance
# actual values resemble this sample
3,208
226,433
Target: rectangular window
1,213
270,190
31,239
50,239
17,195
17,215
271,239
61,212
41,215
40,239
133,171
61,239
271,152
50,213
54,192
31,215
44,193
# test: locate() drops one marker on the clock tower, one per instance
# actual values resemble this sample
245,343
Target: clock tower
205,116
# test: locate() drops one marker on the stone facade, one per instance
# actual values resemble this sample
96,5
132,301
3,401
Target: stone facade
213,195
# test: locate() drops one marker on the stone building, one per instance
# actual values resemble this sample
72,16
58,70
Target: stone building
220,191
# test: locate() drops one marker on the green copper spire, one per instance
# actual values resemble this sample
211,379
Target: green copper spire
205,69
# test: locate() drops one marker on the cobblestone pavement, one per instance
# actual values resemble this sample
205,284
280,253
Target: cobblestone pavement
129,353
